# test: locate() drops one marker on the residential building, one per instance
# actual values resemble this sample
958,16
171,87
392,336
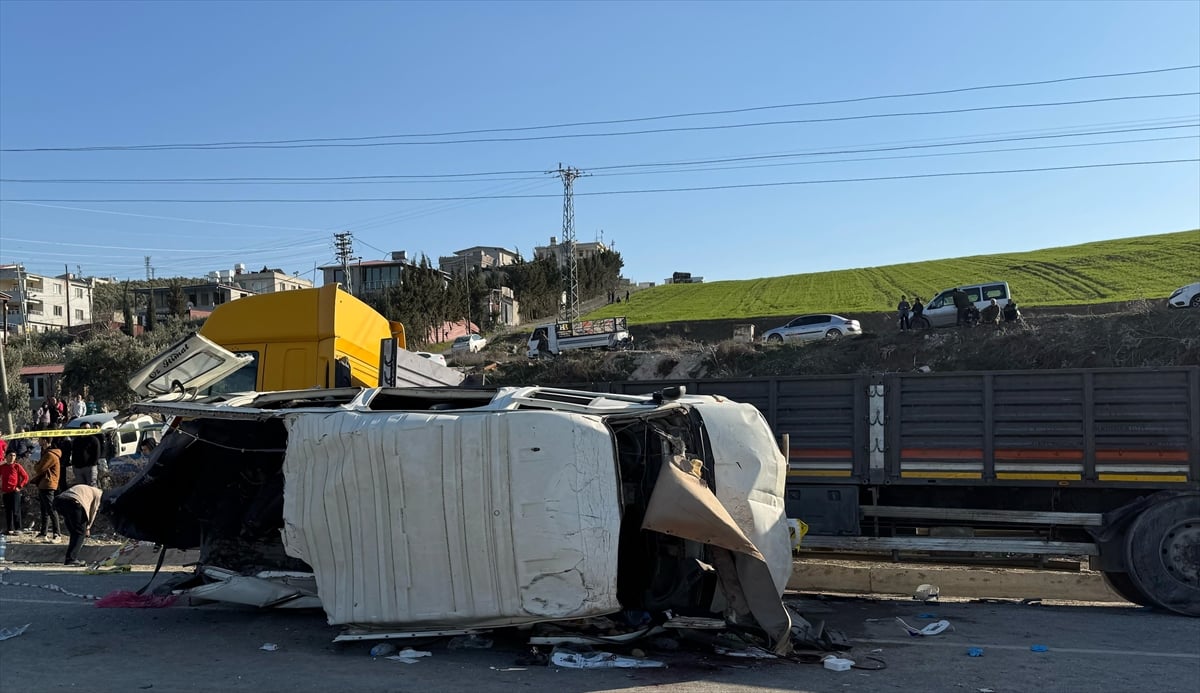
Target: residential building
264,281
478,257
42,381
201,299
504,307
369,276
41,303
558,252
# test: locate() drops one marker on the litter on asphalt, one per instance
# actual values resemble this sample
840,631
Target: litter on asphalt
936,628
409,656
8,633
572,659
269,647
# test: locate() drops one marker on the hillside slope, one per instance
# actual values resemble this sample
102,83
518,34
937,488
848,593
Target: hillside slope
1105,271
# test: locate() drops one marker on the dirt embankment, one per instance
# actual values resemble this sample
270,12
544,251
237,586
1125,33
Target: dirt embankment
1121,335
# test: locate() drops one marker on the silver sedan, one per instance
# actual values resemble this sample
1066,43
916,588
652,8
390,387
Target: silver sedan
813,327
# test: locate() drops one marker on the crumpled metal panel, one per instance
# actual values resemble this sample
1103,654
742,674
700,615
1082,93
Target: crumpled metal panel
455,518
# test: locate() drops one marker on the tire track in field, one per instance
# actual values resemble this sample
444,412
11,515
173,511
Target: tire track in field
1081,285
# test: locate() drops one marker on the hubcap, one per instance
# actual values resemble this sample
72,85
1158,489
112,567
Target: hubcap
1181,551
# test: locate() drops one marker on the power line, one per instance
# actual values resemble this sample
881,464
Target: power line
634,191
618,121
154,216
622,133
339,180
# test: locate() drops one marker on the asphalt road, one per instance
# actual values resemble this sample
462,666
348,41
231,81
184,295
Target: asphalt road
72,645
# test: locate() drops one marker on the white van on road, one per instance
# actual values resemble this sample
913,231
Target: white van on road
940,310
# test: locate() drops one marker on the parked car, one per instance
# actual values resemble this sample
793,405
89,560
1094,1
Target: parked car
469,343
940,310
812,327
436,358
1185,297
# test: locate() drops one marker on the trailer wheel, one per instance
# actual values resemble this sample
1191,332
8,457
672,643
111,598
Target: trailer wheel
1163,550
1124,586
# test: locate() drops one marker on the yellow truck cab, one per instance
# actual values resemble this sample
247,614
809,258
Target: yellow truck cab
291,340
300,339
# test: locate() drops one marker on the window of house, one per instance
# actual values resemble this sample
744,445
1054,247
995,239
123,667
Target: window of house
79,314
58,311
56,289
37,387
78,292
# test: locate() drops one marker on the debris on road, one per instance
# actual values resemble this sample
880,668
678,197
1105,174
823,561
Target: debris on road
9,633
383,649
126,599
409,656
572,659
1038,648
835,663
926,593
269,647
748,653
936,628
975,652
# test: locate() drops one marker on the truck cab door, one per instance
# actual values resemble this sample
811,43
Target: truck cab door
189,365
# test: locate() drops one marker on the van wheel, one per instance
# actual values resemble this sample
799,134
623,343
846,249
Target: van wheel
921,323
833,334
775,339
1195,302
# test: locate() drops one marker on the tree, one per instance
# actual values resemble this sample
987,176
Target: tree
18,392
176,301
151,313
103,366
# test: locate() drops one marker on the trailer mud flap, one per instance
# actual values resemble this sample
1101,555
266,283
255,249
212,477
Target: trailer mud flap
682,506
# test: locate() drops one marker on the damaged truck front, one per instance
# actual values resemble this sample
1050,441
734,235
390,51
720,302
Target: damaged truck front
417,511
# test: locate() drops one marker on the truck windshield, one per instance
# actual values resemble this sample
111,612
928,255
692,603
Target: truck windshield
244,379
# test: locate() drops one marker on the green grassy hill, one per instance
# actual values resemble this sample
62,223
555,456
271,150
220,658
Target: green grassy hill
1100,272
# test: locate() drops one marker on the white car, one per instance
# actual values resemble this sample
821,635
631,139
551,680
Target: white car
1185,297
471,343
813,327
436,358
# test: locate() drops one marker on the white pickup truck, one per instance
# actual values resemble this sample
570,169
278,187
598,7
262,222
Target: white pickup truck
555,338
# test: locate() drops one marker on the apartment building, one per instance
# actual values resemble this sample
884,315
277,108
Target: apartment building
41,303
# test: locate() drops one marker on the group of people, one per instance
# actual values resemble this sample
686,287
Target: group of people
910,313
967,314
76,502
55,412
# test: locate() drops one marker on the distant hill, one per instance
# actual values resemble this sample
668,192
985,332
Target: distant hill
1101,272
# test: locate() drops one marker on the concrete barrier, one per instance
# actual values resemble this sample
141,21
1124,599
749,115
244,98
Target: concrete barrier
974,582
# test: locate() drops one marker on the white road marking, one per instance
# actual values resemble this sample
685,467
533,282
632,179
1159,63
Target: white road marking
48,601
927,642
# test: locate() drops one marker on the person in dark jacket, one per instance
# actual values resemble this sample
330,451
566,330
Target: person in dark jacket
1011,314
918,311
85,456
991,314
962,302
45,475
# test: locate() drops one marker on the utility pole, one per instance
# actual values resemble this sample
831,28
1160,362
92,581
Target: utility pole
344,244
4,372
568,176
149,269
67,277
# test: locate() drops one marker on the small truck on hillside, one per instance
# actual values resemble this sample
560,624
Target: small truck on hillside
555,338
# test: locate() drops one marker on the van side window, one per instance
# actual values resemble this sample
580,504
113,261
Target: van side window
972,293
939,301
994,291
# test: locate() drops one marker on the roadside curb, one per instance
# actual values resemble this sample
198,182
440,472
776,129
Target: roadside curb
851,577
91,553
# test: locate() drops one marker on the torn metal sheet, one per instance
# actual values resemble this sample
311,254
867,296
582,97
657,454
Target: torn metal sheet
268,589
681,505
451,519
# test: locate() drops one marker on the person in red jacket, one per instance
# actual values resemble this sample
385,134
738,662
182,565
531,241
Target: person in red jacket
13,478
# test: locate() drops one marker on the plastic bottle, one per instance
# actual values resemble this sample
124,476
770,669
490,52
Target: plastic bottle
837,663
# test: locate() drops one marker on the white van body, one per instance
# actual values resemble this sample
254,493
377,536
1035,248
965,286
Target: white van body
426,510
940,310
605,333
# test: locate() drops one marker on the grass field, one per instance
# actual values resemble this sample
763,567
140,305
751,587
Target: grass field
1121,270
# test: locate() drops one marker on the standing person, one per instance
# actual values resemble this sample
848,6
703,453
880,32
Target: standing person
55,412
918,311
85,455
903,309
627,296
43,416
78,407
45,474
962,302
78,505
13,478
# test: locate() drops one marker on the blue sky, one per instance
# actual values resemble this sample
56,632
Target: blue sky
84,74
